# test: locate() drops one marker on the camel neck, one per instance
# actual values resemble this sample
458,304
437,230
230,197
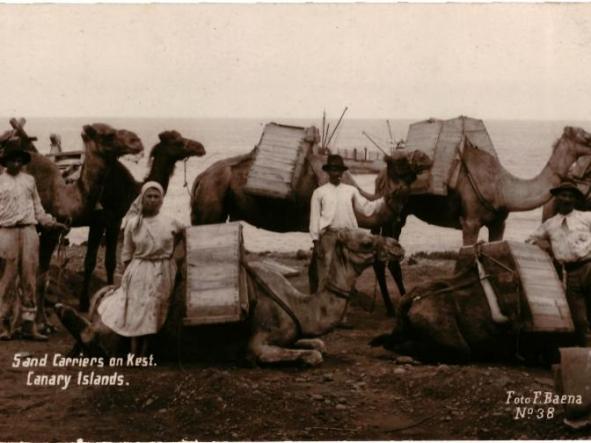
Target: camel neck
524,195
161,170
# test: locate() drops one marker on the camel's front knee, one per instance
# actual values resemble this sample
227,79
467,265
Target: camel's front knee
311,343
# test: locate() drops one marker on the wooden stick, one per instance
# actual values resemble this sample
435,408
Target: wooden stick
390,132
323,126
375,144
337,125
326,135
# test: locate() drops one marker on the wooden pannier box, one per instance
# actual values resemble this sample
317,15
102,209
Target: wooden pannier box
279,160
538,281
216,290
440,140
69,164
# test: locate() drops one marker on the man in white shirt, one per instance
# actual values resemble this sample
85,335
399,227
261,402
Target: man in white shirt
332,207
20,211
567,236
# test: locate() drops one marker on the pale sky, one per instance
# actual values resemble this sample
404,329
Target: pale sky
530,61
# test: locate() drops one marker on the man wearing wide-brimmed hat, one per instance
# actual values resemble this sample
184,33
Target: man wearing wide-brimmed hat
332,207
567,236
20,211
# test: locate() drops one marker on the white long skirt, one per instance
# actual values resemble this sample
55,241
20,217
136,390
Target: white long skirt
140,305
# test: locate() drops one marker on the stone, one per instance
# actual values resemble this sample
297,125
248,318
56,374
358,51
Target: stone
399,371
404,359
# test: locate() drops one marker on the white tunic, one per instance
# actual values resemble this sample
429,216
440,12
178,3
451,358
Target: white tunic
332,206
569,235
140,305
19,201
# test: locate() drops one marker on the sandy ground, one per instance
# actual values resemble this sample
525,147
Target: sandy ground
358,393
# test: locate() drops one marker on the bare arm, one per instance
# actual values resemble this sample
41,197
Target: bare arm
365,206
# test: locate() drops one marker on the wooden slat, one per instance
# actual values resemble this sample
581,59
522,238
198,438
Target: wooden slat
271,176
275,162
213,273
279,188
278,162
543,290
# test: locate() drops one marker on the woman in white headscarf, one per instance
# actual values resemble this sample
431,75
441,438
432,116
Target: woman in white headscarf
138,308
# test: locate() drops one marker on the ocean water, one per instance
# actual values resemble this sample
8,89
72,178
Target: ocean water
523,148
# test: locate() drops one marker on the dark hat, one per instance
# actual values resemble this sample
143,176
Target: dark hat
11,152
567,186
334,162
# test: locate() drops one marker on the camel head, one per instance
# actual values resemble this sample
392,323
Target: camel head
405,165
109,142
176,147
580,137
362,248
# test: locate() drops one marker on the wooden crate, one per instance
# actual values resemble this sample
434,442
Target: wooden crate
69,163
279,160
440,140
539,283
216,289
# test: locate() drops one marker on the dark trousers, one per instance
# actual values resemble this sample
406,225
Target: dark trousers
321,259
578,294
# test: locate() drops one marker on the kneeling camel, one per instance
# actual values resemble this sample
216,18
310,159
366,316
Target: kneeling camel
280,316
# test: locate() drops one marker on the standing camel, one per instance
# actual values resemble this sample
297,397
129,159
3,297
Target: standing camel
218,195
282,321
485,193
120,190
73,203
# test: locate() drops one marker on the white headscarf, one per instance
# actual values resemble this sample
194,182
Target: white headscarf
134,213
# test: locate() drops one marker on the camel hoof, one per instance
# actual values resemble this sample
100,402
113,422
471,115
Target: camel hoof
312,358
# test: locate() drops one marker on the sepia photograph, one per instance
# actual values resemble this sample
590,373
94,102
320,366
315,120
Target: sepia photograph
295,222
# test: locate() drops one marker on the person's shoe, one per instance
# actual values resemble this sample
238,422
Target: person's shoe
30,332
5,335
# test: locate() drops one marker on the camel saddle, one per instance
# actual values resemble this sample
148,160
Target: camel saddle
442,141
525,283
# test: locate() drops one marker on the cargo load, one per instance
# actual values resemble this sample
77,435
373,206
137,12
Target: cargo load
69,164
522,270
279,160
216,286
441,140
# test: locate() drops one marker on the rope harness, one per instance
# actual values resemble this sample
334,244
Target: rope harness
185,182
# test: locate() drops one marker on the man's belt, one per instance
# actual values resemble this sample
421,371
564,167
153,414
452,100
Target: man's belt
573,266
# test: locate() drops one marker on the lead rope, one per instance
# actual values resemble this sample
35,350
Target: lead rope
185,182
61,255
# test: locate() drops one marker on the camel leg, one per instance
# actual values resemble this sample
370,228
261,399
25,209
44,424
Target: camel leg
94,240
275,354
47,244
310,343
496,230
112,236
264,353
379,268
470,229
